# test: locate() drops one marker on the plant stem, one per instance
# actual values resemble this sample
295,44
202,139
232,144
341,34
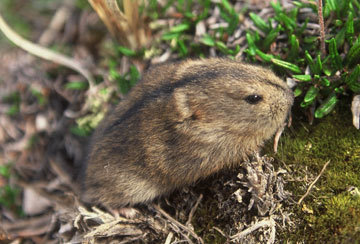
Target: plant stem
322,29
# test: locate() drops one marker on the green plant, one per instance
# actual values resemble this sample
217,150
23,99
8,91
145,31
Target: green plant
180,35
8,193
126,81
77,85
13,100
41,99
329,76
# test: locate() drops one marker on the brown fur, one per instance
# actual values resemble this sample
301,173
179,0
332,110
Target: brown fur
183,122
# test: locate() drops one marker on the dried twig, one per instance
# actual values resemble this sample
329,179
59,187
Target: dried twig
192,211
322,28
221,232
57,22
169,238
125,24
43,52
313,183
178,224
261,224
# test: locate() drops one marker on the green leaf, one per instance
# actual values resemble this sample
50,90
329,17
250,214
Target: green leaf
298,4
340,37
189,15
331,4
257,37
80,131
228,7
297,92
309,60
345,8
349,34
77,85
170,36
222,47
271,37
325,82
8,196
180,28
39,96
276,6
303,27
259,23
338,23
339,90
334,54
252,47
134,75
114,74
353,56
208,40
310,39
5,171
305,78
352,79
326,107
311,94
288,23
318,64
123,85
182,47
264,56
126,51
13,110
356,3
293,67
236,50
304,104
294,50
327,70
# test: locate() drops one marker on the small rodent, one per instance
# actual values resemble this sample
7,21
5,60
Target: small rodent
182,122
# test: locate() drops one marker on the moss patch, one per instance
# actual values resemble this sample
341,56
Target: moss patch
331,211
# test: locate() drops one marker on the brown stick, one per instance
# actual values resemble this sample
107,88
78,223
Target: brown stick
44,53
313,183
177,223
192,211
322,29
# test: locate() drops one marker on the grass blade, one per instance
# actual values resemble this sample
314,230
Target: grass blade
327,106
311,94
293,67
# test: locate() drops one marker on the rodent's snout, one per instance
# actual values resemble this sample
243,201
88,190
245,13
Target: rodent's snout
282,104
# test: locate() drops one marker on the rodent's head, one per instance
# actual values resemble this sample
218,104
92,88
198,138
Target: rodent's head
231,96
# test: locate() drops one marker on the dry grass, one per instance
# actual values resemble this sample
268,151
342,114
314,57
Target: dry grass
125,23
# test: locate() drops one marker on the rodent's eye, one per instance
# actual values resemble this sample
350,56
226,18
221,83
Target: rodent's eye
253,99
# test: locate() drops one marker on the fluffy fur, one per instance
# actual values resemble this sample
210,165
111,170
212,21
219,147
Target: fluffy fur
184,121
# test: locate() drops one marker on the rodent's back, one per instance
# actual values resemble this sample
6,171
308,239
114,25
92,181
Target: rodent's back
182,122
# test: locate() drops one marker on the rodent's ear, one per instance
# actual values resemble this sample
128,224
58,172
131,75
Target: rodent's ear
181,99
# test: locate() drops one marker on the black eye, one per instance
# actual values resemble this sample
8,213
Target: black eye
253,99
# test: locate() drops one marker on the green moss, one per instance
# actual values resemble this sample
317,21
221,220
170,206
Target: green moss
340,219
204,228
329,212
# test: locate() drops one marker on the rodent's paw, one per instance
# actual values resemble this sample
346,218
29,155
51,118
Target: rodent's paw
129,213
